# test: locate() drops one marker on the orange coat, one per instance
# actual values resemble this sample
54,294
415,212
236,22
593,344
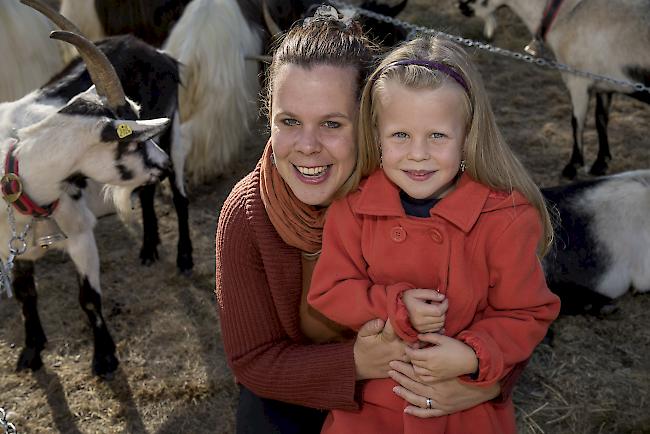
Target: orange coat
478,248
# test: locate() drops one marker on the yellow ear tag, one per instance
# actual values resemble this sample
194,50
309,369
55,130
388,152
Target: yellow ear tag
123,130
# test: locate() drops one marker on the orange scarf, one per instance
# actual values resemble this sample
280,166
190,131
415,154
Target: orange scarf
298,224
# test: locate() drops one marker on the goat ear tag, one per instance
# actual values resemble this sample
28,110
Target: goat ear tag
123,130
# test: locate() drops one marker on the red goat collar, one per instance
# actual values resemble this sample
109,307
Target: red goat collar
12,189
550,12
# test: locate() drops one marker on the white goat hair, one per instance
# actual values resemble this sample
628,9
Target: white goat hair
605,37
602,246
219,92
29,58
219,98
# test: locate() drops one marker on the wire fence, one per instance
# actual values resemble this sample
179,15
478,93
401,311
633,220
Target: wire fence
414,29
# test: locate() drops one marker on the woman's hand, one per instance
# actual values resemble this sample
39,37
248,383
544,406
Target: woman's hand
446,358
377,345
448,396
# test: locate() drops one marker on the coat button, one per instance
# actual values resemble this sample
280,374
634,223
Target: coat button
398,234
436,236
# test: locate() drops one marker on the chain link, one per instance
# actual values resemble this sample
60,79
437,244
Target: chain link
8,427
17,246
538,61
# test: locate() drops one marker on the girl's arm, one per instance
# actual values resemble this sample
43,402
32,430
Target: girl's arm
341,288
520,305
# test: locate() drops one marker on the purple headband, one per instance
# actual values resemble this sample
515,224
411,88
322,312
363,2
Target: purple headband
437,66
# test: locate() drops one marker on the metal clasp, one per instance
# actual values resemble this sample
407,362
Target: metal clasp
7,178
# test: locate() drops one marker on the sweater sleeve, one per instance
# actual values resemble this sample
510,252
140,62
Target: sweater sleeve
520,305
341,288
263,357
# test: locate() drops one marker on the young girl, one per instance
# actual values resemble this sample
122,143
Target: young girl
451,209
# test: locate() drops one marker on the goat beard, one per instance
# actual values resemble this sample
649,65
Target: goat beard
121,198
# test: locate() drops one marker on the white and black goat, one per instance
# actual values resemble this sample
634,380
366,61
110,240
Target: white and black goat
211,39
29,58
56,143
605,37
152,79
602,246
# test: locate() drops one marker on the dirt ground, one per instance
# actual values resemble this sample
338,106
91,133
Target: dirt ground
173,378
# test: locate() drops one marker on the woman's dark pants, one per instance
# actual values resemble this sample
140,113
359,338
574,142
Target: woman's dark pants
257,415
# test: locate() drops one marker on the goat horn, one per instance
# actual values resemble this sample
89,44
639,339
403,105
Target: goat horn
100,68
62,22
274,29
263,59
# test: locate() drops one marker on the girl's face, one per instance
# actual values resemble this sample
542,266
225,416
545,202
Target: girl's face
313,129
422,133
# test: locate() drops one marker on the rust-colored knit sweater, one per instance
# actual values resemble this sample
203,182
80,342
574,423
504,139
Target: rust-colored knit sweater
259,287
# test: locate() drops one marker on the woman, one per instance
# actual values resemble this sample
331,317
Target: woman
290,362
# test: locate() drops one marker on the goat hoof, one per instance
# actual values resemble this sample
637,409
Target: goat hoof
30,358
185,264
608,309
104,366
569,171
599,168
148,256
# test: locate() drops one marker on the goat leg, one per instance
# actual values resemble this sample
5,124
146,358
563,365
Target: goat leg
603,103
150,239
104,360
184,260
82,249
25,289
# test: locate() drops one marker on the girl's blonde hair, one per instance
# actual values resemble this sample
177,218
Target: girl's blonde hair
488,158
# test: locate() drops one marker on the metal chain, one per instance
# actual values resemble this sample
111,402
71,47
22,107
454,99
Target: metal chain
8,427
547,63
17,246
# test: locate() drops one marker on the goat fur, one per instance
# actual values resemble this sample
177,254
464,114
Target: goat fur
29,58
602,246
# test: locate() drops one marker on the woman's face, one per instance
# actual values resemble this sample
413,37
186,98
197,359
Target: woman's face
313,129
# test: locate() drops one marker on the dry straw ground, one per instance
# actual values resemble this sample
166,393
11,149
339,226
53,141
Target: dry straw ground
595,378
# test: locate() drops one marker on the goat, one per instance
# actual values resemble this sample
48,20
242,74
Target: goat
59,144
602,245
152,79
23,41
604,37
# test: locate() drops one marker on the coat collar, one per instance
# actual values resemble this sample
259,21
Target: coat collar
378,196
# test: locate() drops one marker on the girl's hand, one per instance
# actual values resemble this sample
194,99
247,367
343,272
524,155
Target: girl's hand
448,396
426,308
376,345
447,358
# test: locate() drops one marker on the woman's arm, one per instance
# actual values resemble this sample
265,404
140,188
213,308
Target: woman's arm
259,350
256,326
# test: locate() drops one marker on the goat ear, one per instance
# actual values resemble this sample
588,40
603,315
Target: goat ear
132,131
